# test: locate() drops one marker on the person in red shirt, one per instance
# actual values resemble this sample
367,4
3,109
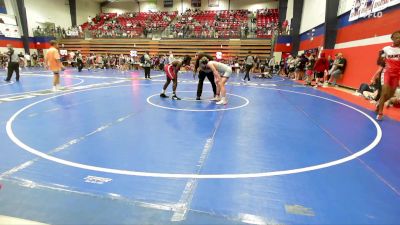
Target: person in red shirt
284,26
321,67
390,55
171,71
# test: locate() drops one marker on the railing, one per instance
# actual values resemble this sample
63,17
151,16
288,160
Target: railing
170,33
57,33
164,34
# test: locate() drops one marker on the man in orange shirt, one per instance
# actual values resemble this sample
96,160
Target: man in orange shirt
53,62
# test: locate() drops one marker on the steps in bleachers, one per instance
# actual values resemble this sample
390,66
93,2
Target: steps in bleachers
180,47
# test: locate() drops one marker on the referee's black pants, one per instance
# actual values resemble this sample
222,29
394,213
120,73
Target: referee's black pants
12,66
248,68
80,65
202,77
147,72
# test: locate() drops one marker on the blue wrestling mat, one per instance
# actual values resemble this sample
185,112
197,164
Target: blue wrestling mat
106,149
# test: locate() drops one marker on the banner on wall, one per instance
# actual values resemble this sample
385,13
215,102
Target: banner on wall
196,3
133,53
8,26
369,8
218,55
63,52
168,3
8,19
72,33
9,31
213,3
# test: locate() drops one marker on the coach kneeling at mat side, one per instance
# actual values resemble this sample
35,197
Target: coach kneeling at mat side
204,71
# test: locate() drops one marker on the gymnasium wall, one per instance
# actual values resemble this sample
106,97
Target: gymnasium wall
313,14
252,5
283,44
34,43
57,12
313,38
360,41
344,6
289,11
85,8
312,27
9,7
120,7
47,11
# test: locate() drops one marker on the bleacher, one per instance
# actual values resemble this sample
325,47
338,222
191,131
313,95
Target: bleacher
229,48
211,24
190,24
227,26
267,20
98,21
128,24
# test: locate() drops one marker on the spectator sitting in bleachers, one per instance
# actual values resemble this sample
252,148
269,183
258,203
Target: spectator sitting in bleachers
189,24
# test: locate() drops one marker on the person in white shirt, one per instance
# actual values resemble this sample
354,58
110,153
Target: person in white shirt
271,64
249,64
171,57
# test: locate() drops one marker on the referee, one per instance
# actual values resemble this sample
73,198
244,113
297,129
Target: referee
204,72
13,64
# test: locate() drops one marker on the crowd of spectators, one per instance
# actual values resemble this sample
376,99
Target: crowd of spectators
25,60
129,24
190,24
124,62
210,24
266,22
324,71
58,32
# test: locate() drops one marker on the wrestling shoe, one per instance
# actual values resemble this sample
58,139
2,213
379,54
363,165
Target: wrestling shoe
222,102
216,98
162,95
174,97
379,117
